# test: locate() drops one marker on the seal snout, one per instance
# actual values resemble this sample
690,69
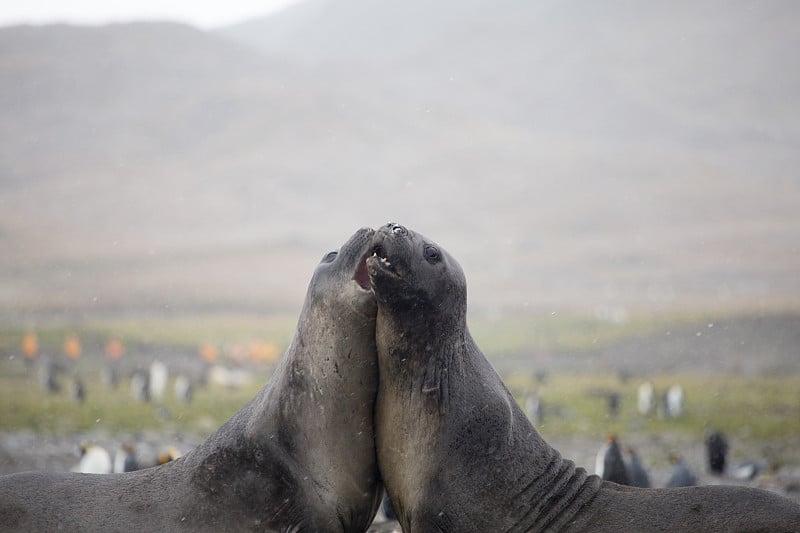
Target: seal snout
397,229
380,258
387,252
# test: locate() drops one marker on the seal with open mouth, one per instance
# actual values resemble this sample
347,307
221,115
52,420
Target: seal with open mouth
457,454
300,456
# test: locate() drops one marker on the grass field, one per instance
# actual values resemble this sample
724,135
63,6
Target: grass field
184,332
755,407
761,408
500,337
24,405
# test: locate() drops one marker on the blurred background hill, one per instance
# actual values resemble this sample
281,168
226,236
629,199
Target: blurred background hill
608,160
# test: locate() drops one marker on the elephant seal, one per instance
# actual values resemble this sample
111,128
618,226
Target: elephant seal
457,454
300,456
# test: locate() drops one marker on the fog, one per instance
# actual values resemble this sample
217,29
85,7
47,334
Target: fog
618,181
571,157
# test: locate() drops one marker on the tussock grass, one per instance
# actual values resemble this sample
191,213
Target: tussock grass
565,331
761,408
184,332
24,405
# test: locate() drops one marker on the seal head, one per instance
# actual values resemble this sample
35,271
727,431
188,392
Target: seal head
412,274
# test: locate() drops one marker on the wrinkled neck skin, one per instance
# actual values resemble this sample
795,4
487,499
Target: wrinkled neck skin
455,451
300,456
715,508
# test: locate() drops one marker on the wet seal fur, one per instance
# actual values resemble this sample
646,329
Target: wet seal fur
457,454
300,456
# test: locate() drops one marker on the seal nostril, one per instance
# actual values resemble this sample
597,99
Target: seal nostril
397,229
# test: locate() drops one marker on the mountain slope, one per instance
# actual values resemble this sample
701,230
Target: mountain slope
595,159
677,72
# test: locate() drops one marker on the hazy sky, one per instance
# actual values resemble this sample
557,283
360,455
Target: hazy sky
201,13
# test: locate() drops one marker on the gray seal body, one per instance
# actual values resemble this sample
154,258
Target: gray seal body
300,456
457,454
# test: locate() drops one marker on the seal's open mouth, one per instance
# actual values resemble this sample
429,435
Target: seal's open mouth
380,254
362,276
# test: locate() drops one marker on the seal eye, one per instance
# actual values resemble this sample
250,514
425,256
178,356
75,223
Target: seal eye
431,253
329,257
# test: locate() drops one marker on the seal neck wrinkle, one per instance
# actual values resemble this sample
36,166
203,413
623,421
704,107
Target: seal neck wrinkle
549,499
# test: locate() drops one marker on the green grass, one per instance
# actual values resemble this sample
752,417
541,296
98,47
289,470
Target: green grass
195,330
186,332
564,331
760,408
510,335
24,405
498,337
